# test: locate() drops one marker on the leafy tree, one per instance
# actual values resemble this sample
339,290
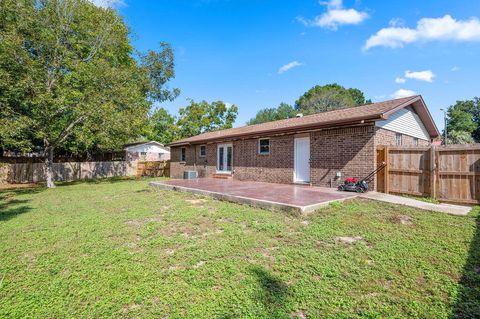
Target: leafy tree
358,97
329,97
163,126
464,119
283,111
202,117
460,137
69,79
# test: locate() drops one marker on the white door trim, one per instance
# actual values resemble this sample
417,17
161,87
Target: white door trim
297,163
225,154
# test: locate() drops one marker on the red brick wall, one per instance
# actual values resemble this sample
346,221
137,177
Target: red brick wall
350,151
204,165
387,137
276,167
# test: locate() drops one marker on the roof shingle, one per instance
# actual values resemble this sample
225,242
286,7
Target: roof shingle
364,112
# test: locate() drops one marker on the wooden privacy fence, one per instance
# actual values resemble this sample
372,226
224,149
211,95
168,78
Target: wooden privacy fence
447,173
68,171
158,168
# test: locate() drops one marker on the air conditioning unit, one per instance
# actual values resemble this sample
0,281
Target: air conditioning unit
190,175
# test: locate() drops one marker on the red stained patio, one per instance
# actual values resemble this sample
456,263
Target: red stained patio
296,198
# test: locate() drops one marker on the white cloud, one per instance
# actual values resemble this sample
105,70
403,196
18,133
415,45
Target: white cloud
426,76
402,93
445,28
400,80
107,3
335,16
289,66
455,68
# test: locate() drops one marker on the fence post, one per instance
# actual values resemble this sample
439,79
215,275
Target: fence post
433,173
387,167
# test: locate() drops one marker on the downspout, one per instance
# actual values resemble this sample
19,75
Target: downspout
195,158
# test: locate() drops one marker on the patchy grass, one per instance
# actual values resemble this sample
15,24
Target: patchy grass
121,249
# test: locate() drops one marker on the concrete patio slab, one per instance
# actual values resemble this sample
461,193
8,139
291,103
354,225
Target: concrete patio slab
291,198
442,208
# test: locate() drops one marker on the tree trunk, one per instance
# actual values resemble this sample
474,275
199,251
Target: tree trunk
48,169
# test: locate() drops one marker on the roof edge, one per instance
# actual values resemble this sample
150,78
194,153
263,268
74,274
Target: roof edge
433,131
283,130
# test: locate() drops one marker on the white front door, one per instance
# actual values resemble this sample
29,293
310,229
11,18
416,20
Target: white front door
302,160
224,158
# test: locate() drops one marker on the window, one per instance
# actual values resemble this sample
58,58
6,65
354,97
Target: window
398,139
143,153
183,154
415,141
203,151
264,146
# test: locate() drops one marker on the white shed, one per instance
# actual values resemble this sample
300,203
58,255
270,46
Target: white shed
147,151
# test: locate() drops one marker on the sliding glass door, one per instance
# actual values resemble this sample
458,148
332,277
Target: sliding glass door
224,158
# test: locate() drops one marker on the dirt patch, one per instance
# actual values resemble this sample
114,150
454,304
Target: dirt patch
201,263
134,247
216,232
134,223
348,240
170,252
403,219
141,222
196,201
299,314
17,186
127,308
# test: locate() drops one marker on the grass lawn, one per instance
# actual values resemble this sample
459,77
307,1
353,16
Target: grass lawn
121,249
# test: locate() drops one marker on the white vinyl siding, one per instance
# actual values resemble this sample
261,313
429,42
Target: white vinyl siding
405,121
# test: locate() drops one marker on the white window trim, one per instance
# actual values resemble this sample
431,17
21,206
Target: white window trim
225,161
269,145
182,160
401,139
415,141
200,151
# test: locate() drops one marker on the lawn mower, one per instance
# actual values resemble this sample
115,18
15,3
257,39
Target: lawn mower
360,186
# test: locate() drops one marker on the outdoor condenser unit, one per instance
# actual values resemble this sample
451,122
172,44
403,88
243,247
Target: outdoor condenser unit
190,175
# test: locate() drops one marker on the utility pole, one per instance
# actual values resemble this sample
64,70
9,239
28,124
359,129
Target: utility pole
445,123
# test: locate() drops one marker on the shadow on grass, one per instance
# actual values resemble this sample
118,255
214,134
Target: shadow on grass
9,205
274,293
12,212
107,180
468,303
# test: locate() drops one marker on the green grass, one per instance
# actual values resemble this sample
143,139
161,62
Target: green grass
121,249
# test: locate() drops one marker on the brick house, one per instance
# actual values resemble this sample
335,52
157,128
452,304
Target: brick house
319,149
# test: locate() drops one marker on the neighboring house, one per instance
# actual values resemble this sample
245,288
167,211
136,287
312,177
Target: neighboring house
320,149
147,151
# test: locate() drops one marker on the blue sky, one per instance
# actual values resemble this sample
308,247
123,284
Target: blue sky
235,50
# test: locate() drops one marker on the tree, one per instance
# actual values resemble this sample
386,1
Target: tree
69,79
464,120
198,118
460,137
163,127
329,97
283,111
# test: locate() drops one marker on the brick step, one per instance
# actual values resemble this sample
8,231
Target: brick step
223,176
